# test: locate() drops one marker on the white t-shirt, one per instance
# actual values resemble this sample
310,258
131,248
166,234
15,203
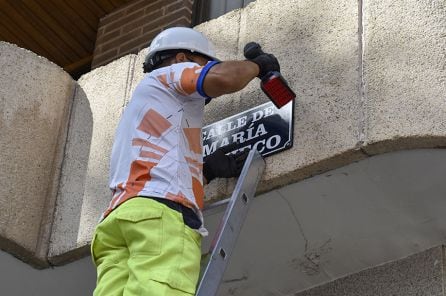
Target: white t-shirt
158,145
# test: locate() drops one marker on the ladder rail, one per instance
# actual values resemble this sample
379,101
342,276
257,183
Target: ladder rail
231,224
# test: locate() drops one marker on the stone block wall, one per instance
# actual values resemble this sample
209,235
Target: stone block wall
403,74
131,27
362,89
366,83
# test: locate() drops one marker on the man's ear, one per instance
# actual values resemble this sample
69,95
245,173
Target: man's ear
181,57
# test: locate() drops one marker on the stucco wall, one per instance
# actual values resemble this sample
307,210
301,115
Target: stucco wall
369,76
419,274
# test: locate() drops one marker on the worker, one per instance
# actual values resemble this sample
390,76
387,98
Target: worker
149,239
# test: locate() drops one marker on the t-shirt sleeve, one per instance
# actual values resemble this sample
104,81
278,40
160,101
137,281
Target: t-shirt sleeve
186,79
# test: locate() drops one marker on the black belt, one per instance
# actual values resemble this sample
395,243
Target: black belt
189,216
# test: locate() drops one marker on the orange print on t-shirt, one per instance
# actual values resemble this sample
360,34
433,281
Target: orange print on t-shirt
154,124
193,136
198,190
138,177
163,79
189,79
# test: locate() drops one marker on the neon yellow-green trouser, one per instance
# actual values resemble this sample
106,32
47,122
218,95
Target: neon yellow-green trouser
143,248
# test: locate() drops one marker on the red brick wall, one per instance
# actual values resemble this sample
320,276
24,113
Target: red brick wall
131,27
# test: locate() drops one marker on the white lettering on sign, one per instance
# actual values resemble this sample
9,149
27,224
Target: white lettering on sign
269,143
260,131
268,111
251,131
209,150
240,137
224,128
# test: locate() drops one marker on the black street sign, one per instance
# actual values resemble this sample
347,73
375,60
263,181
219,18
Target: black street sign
265,128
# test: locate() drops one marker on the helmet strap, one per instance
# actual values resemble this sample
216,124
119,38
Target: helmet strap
152,63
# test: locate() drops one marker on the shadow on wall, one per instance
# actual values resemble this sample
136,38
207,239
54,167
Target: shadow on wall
18,278
73,178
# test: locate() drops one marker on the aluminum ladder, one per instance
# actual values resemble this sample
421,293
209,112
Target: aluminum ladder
231,224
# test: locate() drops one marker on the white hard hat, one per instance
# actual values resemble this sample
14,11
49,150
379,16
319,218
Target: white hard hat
180,38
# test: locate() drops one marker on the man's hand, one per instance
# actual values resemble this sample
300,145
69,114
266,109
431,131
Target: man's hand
220,165
267,63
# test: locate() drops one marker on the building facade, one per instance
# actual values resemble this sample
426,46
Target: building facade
361,186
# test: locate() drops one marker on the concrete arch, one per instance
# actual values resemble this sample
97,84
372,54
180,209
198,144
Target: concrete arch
35,100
